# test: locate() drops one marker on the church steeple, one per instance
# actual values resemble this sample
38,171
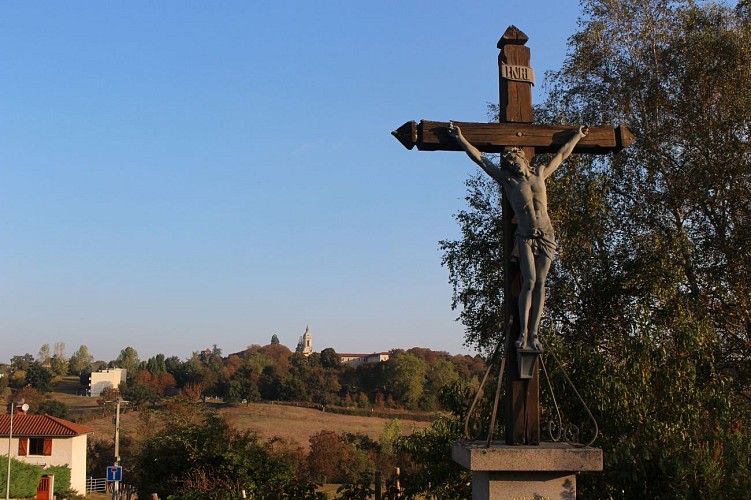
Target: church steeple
307,342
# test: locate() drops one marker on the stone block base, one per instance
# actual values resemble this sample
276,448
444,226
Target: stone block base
523,485
543,472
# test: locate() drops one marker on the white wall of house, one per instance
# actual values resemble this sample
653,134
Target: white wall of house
361,359
70,451
110,378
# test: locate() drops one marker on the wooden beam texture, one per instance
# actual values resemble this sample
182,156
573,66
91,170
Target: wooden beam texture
493,137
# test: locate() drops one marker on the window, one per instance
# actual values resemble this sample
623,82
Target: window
40,446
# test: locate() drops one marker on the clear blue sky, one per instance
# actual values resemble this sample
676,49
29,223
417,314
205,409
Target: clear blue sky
178,174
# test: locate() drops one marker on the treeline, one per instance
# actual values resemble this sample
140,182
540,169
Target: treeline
410,379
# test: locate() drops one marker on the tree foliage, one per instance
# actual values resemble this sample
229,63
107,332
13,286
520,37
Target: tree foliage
53,408
39,377
128,359
649,295
199,455
80,361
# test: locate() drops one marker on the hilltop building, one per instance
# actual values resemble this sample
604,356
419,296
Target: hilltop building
305,344
361,359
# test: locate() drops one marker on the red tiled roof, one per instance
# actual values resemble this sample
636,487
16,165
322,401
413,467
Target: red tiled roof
41,425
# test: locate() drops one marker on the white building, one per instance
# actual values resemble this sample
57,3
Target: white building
103,379
46,441
361,359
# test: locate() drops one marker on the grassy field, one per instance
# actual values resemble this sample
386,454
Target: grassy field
267,420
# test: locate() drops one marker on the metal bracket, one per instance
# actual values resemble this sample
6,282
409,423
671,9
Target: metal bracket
526,359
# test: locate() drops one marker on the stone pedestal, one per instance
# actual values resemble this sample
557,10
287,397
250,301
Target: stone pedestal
547,471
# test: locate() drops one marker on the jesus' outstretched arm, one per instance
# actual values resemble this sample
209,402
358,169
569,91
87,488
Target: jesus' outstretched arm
564,152
475,155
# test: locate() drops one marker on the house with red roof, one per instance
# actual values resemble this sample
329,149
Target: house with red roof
47,441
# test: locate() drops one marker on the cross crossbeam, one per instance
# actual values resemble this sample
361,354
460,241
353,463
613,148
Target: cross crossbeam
493,137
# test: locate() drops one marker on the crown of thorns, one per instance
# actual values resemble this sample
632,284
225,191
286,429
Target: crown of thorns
512,150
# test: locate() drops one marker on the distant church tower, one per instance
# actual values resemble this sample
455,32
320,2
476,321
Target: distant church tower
305,345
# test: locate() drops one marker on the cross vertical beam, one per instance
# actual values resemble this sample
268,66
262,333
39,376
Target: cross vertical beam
522,400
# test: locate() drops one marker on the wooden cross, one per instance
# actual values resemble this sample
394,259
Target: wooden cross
522,399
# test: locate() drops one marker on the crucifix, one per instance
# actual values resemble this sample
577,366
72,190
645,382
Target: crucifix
528,235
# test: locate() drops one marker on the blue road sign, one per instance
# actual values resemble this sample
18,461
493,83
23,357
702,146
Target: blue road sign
114,473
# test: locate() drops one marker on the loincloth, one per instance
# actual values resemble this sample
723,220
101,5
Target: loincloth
540,242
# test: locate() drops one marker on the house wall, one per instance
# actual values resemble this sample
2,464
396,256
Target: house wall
360,359
104,379
70,451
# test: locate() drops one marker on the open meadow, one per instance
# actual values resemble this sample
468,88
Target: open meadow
267,420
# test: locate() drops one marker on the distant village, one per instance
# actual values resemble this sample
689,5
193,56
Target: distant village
108,378
48,433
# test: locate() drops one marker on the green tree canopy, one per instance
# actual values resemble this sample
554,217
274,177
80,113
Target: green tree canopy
649,294
80,361
39,377
128,359
198,455
406,376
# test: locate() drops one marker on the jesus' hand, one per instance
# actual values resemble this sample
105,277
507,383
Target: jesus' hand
454,130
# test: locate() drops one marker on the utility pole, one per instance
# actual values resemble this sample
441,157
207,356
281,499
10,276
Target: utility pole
116,484
13,406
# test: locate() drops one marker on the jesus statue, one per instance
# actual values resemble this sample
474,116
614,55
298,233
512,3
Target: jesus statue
534,243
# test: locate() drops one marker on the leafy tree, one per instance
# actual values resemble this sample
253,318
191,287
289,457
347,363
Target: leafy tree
330,359
80,361
43,356
392,431
258,361
475,263
333,459
427,471
243,390
157,365
648,302
39,377
128,359
139,394
275,339
440,374
53,408
21,362
279,353
59,360
106,397
192,392
406,375
173,365
207,459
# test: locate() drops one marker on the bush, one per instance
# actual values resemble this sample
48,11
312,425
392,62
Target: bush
24,478
62,478
53,408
